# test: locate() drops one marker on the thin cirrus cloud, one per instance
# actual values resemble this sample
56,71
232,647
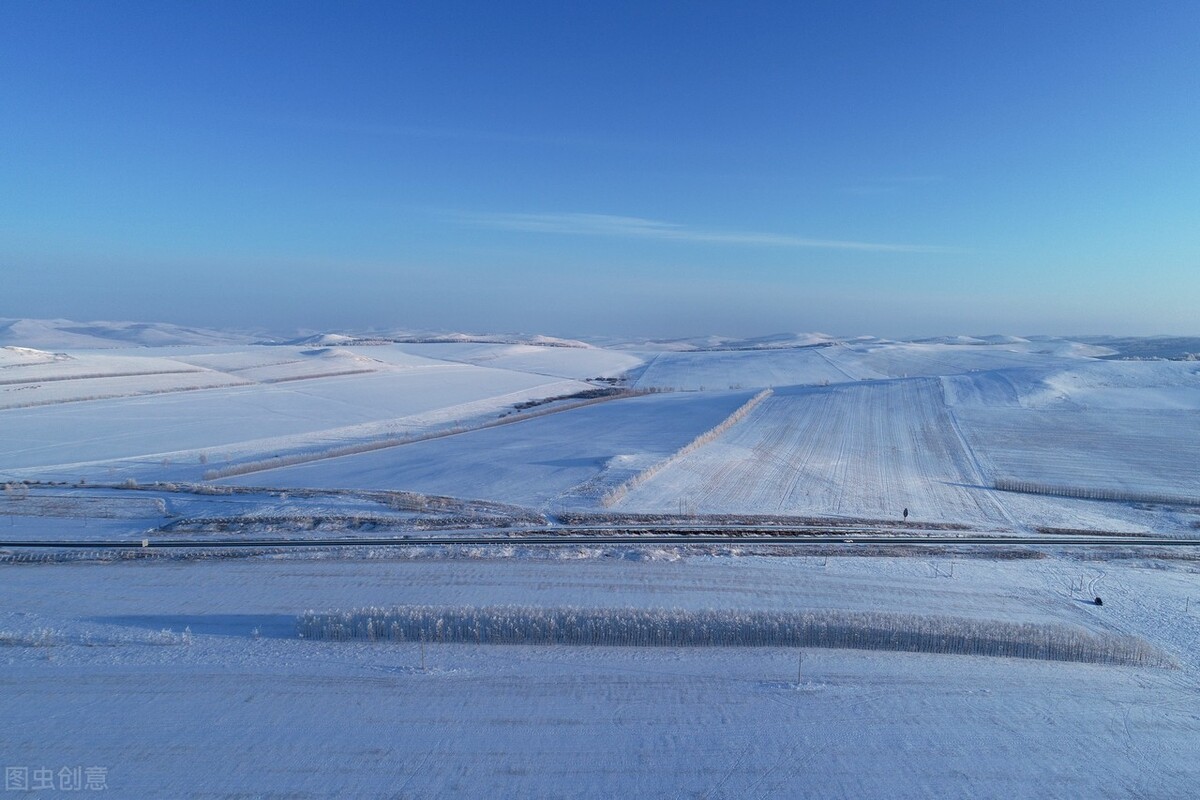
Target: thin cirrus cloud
578,224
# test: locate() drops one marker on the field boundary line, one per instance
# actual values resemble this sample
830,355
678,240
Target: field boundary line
611,497
263,465
969,452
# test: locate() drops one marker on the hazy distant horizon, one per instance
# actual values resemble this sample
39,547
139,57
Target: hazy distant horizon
285,334
605,325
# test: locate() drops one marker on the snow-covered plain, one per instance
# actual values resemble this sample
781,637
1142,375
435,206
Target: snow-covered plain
563,362
555,460
320,408
856,449
187,679
183,675
856,428
730,369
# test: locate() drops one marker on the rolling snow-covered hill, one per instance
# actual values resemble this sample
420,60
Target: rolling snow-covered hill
856,428
140,435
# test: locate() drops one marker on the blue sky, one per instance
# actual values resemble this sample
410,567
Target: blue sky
905,168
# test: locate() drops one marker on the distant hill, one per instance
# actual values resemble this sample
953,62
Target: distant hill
410,337
47,334
1173,348
775,341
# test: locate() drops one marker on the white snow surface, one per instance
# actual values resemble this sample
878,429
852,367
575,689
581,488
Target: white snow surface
857,428
186,679
109,424
858,449
182,675
551,461
63,333
737,369
563,362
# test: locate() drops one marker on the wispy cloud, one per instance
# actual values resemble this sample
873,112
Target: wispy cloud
638,227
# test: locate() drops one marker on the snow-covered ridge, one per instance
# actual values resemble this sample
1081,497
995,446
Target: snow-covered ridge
13,356
69,334
409,337
856,428
775,341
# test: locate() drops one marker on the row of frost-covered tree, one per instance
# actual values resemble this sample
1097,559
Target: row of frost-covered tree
638,627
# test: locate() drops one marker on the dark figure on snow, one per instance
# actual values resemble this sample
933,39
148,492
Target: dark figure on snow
1098,601
906,513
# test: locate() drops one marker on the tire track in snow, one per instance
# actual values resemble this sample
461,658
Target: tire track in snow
976,466
836,365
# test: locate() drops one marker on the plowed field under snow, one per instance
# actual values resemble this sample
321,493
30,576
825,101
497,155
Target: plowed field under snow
868,448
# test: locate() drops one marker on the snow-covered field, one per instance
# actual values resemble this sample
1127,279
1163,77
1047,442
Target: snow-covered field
563,362
187,679
857,428
856,449
737,369
567,458
184,675
86,438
